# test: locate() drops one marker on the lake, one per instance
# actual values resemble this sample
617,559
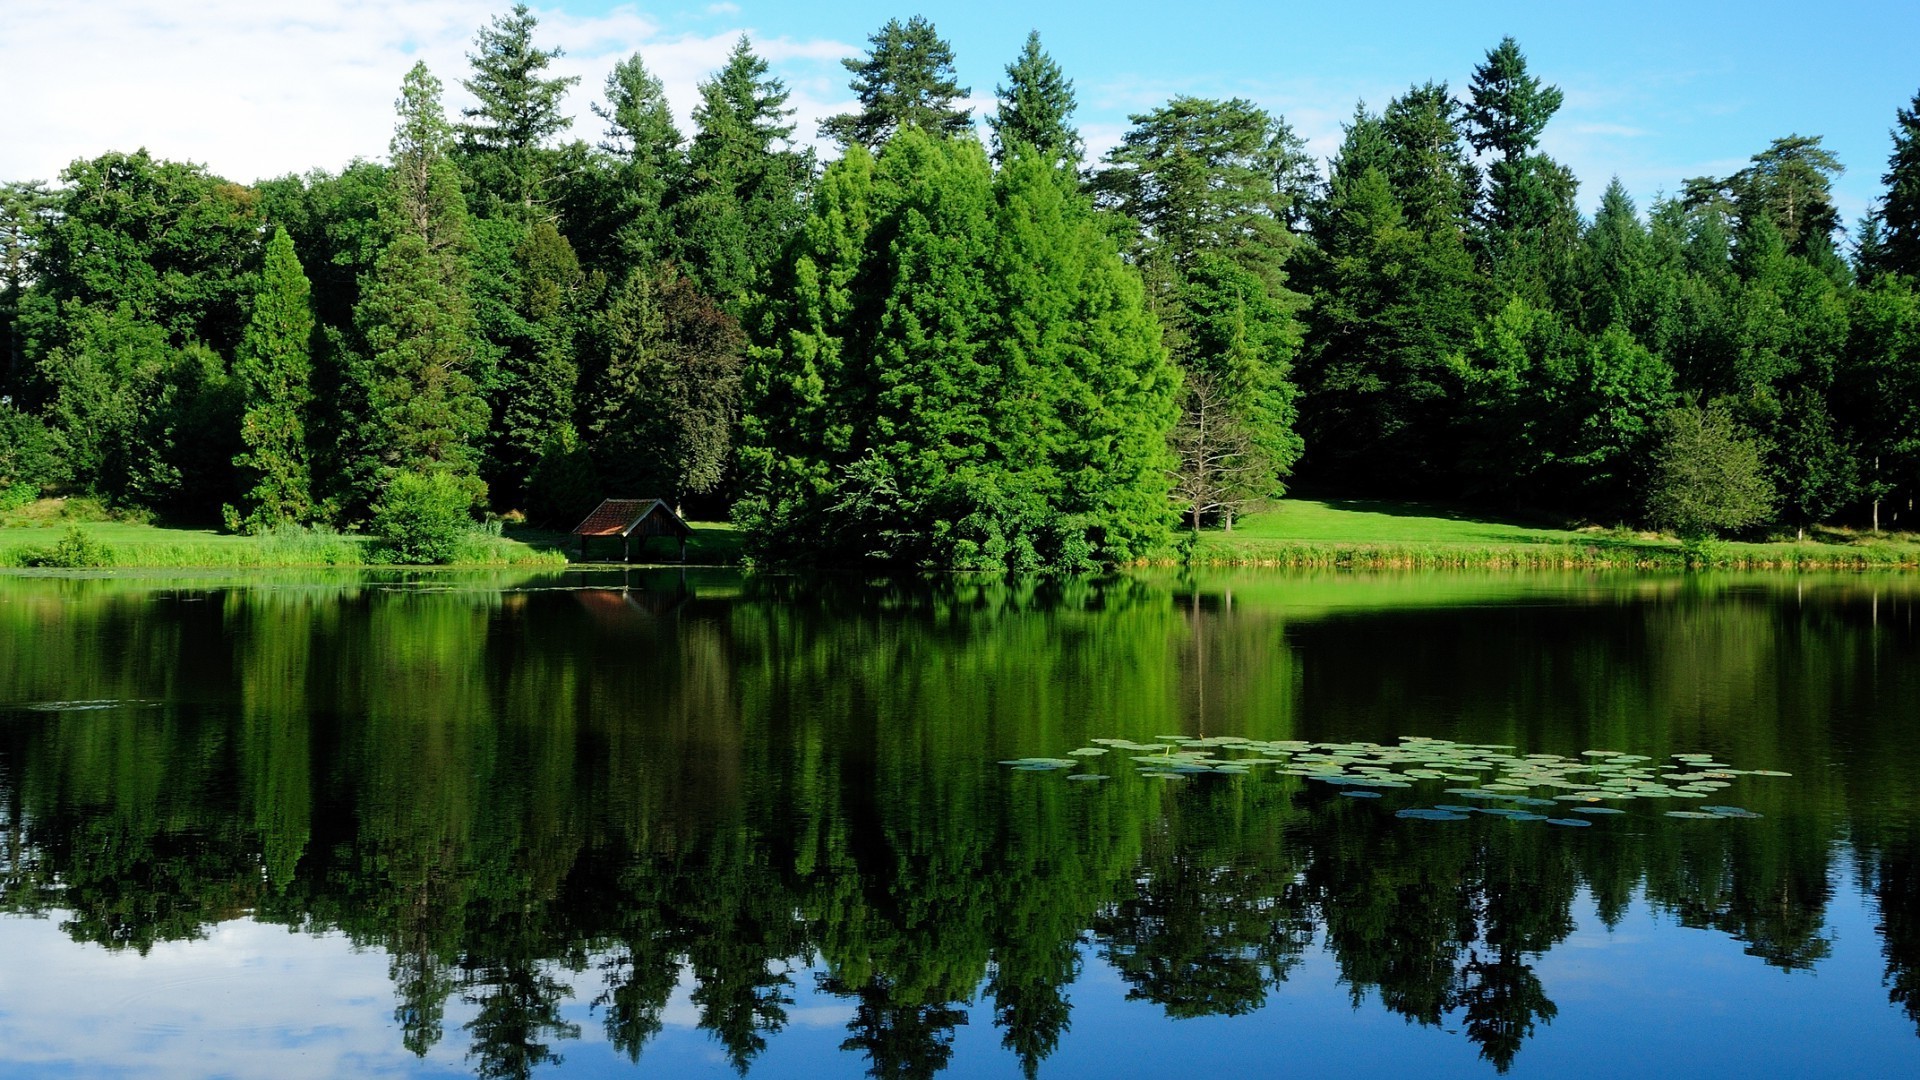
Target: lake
663,823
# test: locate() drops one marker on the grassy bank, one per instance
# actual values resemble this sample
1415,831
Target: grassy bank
45,534
1297,533
1358,533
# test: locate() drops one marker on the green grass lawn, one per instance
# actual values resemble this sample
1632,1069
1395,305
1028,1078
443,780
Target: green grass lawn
1296,533
44,525
1302,532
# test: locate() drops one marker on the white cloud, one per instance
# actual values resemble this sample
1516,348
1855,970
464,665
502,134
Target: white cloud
259,88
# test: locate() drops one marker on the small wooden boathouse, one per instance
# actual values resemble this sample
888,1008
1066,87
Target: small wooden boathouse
633,518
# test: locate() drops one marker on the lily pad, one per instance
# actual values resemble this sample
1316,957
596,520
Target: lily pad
1435,814
1361,794
1571,822
1089,776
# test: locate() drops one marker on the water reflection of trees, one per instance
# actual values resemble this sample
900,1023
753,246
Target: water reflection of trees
512,794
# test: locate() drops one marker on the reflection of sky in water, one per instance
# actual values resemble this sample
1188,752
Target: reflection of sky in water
1649,998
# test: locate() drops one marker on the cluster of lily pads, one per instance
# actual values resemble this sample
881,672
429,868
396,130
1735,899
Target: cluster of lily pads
1493,779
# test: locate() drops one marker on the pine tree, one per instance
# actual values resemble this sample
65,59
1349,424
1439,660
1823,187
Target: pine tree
1426,165
1529,218
1900,211
647,147
739,198
1210,176
1615,263
1036,109
905,80
1791,185
274,367
503,137
415,314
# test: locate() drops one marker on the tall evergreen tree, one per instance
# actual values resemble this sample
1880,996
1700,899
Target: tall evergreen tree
273,368
1036,109
740,196
1210,176
1529,220
503,138
1427,166
960,372
1900,211
1615,264
905,80
415,314
1791,185
647,150
1395,300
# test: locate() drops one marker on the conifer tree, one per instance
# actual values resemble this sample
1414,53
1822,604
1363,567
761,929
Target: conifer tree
503,137
1000,399
1200,175
1900,211
415,314
1791,185
1036,109
647,148
1614,263
739,197
1529,218
273,368
905,80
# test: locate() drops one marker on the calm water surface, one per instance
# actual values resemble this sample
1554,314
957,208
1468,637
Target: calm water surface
654,824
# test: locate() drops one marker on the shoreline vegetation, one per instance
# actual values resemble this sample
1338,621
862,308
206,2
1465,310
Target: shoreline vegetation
922,339
1295,534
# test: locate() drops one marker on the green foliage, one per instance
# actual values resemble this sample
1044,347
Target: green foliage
274,371
1200,175
422,517
565,485
1393,306
663,405
647,159
888,426
167,242
502,139
75,550
1708,477
26,459
1530,221
423,408
1900,210
740,198
1790,185
528,296
1036,109
906,80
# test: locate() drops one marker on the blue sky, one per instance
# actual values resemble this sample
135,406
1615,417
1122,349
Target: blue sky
1655,93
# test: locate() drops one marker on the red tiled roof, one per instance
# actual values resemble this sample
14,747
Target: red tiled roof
614,516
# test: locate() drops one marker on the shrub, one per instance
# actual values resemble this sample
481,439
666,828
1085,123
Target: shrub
422,518
75,550
1707,476
15,496
26,458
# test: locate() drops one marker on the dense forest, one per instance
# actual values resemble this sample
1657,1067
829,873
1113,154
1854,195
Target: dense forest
935,350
